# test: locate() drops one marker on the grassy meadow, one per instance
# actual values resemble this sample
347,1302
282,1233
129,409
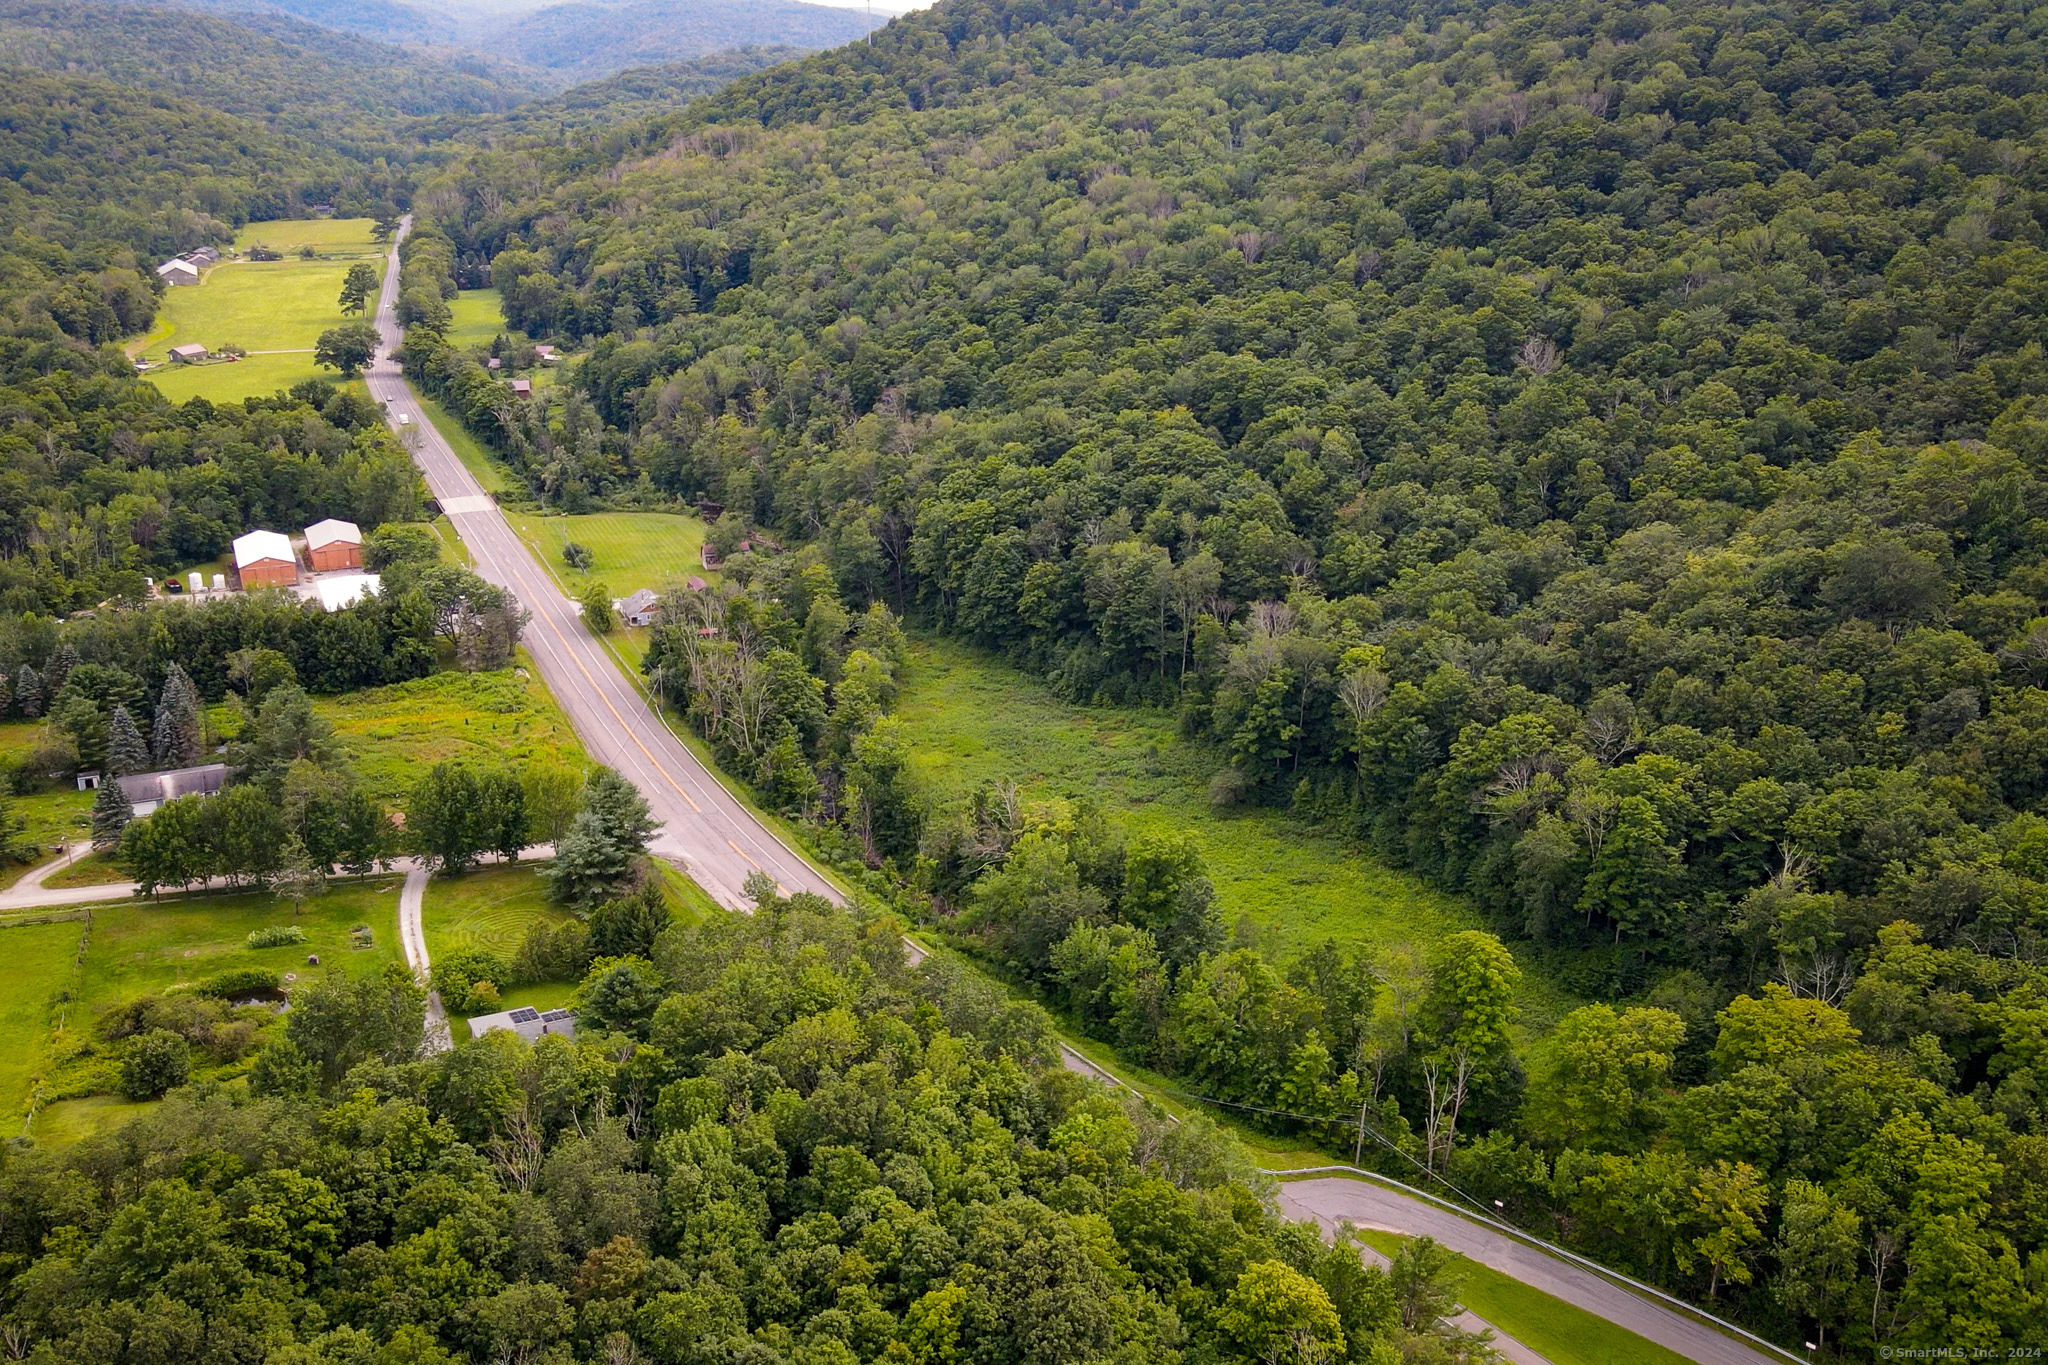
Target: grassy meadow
275,310
35,973
1283,884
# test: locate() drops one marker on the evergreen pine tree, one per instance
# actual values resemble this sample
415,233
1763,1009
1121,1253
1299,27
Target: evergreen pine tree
126,751
175,737
595,859
111,812
28,692
56,671
299,875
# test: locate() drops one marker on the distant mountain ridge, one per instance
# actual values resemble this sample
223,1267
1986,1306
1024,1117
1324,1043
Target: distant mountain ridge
281,71
588,40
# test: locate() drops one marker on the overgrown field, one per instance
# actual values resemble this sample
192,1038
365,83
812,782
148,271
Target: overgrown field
395,735
274,310
975,720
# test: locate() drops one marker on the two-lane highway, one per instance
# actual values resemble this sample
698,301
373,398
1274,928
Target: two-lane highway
716,837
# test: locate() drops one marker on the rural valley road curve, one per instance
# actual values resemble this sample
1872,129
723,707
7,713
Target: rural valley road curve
716,837
721,844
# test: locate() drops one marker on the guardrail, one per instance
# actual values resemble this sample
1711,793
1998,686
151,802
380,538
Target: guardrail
1548,1248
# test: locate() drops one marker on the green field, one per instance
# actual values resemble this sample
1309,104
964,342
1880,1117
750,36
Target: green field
478,319
139,947
142,946
59,815
394,735
491,907
1560,1332
347,237
630,550
275,310
35,968
976,720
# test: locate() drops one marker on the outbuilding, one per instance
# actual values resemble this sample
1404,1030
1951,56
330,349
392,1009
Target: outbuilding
147,791
345,589
527,1022
178,272
191,353
334,544
522,388
264,559
640,609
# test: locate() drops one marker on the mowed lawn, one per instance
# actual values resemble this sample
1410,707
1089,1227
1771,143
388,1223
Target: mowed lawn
275,310
975,720
35,970
1561,1333
479,319
140,947
629,550
489,907
393,736
492,907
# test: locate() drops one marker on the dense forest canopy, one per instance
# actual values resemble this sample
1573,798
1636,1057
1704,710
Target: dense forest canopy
1593,457
770,1141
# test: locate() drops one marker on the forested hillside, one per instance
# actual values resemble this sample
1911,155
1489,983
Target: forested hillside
341,90
1594,456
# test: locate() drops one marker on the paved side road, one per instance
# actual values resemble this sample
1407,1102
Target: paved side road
1329,1201
412,934
715,836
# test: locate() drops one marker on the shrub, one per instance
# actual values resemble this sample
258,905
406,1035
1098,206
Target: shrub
156,1061
240,983
553,953
458,975
276,936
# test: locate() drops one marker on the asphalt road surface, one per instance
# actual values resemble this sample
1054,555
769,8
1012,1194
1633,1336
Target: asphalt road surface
717,839
1366,1205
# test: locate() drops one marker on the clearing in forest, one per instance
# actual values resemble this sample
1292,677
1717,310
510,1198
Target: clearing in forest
975,720
273,310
